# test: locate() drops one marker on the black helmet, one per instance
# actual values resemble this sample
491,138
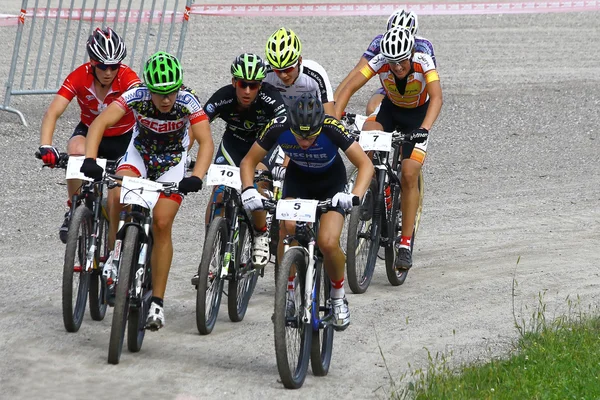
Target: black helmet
306,116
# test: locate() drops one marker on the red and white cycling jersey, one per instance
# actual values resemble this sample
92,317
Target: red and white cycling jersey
415,92
80,84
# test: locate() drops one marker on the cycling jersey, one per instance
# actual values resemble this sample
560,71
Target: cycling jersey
422,45
409,92
80,84
323,152
312,78
161,138
244,124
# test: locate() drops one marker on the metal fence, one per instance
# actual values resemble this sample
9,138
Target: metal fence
51,37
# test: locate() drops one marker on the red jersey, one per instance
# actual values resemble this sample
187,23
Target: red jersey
80,83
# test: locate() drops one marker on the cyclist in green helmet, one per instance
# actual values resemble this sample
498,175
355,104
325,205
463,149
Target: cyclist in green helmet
165,111
246,105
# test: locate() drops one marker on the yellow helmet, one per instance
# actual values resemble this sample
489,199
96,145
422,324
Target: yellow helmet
283,48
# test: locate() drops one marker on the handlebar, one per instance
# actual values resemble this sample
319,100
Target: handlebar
63,161
323,206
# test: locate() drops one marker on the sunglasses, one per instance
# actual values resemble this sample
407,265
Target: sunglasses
301,137
245,84
104,67
287,70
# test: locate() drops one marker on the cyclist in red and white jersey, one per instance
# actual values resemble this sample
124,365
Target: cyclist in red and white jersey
400,18
412,105
95,84
165,111
292,75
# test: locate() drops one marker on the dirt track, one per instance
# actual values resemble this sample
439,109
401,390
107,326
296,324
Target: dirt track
512,172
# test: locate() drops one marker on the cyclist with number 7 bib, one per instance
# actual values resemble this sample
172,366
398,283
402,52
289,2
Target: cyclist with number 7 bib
412,104
311,139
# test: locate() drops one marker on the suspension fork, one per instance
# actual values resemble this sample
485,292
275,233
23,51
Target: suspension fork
233,231
143,256
379,209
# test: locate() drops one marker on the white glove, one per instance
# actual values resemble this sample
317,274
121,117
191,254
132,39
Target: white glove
252,200
343,200
278,173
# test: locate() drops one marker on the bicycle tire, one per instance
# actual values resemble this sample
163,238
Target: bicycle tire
129,253
358,271
291,371
98,289
322,338
240,288
214,247
80,228
136,321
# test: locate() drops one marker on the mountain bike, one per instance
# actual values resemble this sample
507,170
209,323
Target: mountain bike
377,222
305,331
132,256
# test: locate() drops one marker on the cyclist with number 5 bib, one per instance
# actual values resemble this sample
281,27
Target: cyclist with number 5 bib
412,104
164,110
96,84
246,105
316,171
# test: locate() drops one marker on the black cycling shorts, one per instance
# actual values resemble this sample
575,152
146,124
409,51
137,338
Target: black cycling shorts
232,151
111,147
300,184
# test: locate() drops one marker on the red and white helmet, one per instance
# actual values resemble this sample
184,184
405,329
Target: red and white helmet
106,47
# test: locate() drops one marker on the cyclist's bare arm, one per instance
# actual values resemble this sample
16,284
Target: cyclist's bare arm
329,108
249,163
361,63
435,104
363,163
107,118
201,133
357,81
55,110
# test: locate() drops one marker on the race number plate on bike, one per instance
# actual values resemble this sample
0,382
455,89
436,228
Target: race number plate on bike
297,210
140,191
375,140
74,165
226,175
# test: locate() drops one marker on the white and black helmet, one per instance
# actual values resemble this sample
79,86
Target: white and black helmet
397,44
404,19
106,47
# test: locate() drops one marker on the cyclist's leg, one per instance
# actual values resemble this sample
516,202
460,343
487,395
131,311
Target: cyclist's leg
375,101
76,147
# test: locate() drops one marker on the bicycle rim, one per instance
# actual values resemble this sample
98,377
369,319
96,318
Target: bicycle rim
322,338
98,304
242,286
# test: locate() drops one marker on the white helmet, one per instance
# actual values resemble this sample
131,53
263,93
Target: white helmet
404,19
106,47
397,44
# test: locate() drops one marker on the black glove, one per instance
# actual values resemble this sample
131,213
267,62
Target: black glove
419,135
190,184
49,155
91,169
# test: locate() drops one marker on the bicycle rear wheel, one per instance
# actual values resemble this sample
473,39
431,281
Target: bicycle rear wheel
359,271
210,284
98,304
138,312
322,336
74,273
292,336
128,257
241,286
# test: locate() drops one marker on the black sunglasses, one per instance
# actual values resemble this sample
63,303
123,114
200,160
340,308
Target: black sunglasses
104,67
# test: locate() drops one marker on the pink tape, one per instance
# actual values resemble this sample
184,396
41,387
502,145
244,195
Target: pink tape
133,16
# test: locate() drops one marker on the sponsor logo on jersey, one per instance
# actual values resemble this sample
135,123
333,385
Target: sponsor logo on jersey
223,102
160,126
423,60
266,99
220,159
210,108
90,97
248,124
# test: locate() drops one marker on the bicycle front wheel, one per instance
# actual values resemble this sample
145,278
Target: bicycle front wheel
322,334
292,336
138,312
129,253
210,284
241,286
76,279
98,303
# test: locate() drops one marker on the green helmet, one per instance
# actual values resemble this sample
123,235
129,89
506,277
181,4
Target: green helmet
249,67
283,48
163,73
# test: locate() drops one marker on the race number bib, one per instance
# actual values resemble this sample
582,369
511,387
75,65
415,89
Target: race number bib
226,175
74,165
297,210
375,140
140,191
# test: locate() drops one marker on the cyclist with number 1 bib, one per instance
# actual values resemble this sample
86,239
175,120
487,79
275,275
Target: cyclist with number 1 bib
165,111
316,171
412,104
246,105
400,18
96,84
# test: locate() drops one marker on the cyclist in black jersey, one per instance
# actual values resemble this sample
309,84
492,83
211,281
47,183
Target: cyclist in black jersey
247,106
311,140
